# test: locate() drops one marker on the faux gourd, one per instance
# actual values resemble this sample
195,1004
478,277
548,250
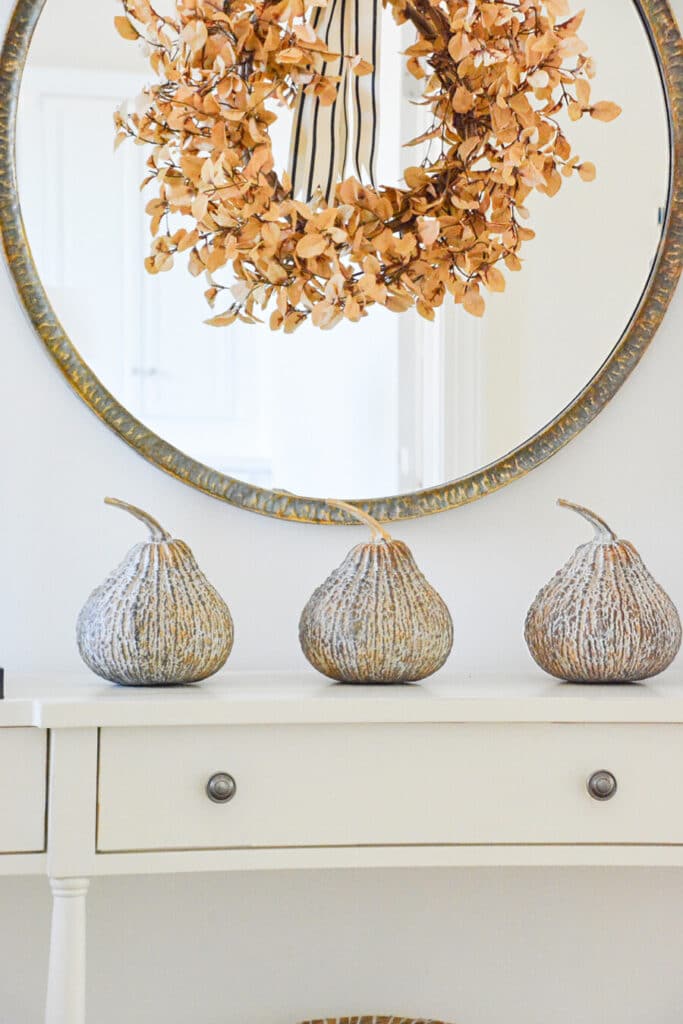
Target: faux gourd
156,619
376,619
602,617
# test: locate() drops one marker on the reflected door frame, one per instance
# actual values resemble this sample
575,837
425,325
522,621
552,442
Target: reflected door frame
440,376
50,96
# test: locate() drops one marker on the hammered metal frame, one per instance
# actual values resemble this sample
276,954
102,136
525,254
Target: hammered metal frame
660,24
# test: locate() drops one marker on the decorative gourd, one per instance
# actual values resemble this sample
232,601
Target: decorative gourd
374,1019
602,617
376,619
156,620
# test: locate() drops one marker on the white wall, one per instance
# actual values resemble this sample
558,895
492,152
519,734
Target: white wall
478,947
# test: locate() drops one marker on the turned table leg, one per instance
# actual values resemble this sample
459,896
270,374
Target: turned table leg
66,975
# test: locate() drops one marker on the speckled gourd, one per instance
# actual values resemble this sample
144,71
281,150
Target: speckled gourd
374,1019
156,619
602,617
376,619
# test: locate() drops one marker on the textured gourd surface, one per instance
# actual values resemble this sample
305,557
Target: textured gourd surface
374,1020
603,618
155,620
376,619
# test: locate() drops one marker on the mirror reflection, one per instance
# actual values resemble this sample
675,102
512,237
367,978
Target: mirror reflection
388,405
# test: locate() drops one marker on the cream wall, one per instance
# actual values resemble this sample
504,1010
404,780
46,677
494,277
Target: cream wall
479,947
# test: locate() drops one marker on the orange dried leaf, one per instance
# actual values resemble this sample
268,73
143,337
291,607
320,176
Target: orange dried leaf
463,100
428,230
311,245
195,35
415,177
494,280
359,66
125,29
222,320
473,302
425,310
605,111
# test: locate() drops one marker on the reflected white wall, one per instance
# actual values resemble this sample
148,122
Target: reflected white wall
545,337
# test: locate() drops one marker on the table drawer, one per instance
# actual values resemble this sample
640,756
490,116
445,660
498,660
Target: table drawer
23,789
333,785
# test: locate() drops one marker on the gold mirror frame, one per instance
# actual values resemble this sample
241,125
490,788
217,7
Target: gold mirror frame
660,24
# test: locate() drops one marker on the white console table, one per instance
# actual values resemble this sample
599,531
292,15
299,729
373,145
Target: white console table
255,770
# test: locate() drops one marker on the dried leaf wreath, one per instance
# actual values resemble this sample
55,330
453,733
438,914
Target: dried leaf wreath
496,76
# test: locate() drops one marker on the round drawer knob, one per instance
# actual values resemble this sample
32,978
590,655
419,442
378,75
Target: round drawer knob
221,787
602,785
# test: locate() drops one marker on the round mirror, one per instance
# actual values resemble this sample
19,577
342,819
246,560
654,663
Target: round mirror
405,415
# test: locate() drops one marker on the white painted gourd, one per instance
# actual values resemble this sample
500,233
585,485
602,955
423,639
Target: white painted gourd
376,619
156,619
374,1019
602,617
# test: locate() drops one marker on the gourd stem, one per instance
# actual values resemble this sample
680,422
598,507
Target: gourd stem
602,530
363,517
158,533
353,510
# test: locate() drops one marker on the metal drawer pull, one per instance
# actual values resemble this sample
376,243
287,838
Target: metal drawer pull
221,787
602,785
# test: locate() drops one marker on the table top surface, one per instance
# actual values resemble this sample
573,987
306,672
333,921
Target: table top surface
62,700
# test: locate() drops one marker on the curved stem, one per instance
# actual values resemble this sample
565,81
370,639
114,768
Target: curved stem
378,530
353,510
157,532
603,532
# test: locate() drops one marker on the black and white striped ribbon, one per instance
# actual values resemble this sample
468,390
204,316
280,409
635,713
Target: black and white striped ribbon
319,147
